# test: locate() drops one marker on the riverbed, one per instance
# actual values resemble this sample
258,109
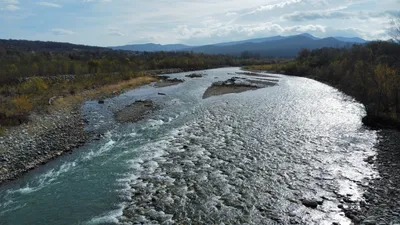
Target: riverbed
240,158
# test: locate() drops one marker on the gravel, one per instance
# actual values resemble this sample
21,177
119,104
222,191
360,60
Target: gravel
25,147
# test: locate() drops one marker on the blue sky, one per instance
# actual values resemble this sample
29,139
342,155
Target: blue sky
193,22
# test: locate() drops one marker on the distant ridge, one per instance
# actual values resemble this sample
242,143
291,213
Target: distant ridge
288,47
352,40
269,47
283,46
45,46
150,47
256,40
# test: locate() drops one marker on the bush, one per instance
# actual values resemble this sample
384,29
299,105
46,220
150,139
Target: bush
22,104
35,85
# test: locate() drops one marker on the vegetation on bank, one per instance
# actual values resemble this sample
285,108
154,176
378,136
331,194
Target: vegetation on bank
32,81
41,95
370,73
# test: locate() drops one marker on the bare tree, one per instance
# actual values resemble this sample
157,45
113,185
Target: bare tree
395,32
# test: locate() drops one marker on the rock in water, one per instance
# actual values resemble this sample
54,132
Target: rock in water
135,112
310,203
194,75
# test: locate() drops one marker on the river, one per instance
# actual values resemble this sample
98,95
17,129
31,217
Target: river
245,158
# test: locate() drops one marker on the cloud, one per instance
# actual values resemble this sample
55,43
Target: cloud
239,32
9,5
314,15
12,2
49,4
230,14
275,6
115,32
11,8
336,14
194,21
59,31
97,0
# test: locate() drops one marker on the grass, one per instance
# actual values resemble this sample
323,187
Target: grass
2,130
71,100
278,67
37,95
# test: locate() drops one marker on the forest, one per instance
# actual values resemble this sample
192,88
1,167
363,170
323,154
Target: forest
370,73
31,73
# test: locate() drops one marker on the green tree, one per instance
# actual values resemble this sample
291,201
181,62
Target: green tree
93,66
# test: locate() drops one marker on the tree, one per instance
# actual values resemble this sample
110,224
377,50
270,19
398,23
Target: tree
395,32
245,55
303,54
93,66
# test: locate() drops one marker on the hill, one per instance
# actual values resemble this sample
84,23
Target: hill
276,46
288,47
44,46
150,47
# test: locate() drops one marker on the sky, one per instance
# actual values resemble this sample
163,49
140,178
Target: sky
192,22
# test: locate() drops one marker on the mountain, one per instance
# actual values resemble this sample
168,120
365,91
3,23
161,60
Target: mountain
266,39
276,46
256,40
288,47
352,40
45,46
150,47
306,35
276,38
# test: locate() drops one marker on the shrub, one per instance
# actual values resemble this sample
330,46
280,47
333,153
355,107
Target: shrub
22,104
35,85
2,130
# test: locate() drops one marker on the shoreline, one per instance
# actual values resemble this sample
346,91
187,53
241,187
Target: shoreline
59,131
370,119
30,145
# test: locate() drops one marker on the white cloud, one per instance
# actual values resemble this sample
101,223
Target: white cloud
240,32
275,6
115,32
338,13
230,14
97,0
196,21
12,2
59,31
11,8
49,4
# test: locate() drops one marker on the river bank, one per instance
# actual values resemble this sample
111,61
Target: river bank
61,129
372,119
58,131
377,205
49,135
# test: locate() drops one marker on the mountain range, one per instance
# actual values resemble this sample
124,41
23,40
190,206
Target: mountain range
276,46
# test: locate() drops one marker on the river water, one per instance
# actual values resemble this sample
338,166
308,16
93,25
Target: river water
245,158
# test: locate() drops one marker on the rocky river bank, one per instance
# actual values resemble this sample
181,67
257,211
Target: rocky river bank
50,135
27,146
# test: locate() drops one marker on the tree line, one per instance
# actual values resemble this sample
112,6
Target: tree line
15,64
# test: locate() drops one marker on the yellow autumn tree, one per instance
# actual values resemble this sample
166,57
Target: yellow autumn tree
22,104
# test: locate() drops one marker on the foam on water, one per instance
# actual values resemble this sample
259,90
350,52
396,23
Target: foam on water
107,218
13,208
154,124
95,153
45,179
